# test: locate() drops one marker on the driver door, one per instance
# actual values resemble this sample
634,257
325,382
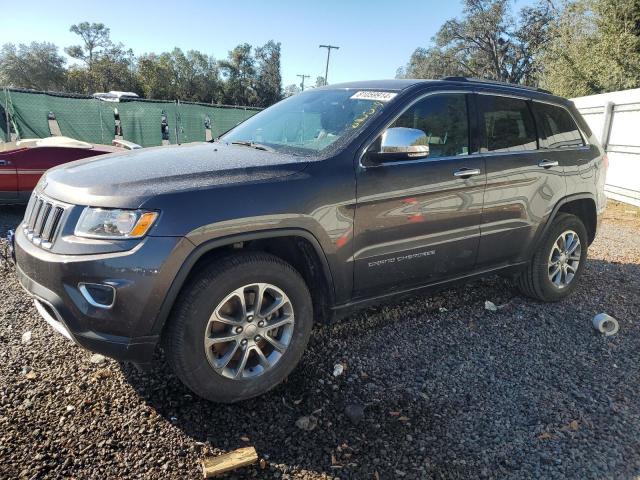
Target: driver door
417,221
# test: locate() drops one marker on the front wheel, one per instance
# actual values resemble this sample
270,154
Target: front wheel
558,262
239,327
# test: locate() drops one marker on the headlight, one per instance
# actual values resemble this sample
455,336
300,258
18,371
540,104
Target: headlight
114,223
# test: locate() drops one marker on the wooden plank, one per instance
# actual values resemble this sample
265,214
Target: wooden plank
212,466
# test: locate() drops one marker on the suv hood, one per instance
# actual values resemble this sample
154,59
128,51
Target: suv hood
128,179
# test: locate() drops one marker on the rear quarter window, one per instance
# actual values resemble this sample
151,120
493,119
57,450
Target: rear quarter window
508,124
557,128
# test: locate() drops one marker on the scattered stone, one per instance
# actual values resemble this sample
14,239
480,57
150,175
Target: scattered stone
307,423
354,412
26,337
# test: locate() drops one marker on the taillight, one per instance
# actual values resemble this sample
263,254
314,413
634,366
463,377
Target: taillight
605,161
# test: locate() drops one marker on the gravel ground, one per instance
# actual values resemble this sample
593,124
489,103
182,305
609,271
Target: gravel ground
434,387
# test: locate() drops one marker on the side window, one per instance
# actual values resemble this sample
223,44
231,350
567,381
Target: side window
557,128
444,120
508,124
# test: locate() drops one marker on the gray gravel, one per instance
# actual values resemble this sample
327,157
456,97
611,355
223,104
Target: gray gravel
529,391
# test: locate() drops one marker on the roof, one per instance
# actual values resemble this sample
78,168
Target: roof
404,83
395,84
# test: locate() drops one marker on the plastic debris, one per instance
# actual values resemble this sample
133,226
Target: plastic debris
606,324
97,358
338,369
490,306
26,337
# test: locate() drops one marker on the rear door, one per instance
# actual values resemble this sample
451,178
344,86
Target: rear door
418,221
524,182
8,180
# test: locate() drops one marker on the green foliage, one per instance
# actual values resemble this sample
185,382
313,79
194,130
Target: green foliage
37,66
239,72
487,42
192,76
269,79
248,77
595,48
291,90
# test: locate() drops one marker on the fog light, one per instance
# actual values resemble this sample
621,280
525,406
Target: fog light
98,294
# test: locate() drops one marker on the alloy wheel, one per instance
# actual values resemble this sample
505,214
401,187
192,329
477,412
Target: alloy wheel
249,331
564,259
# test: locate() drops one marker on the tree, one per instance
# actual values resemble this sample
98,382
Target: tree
320,81
269,79
37,66
594,48
239,72
487,42
190,77
290,90
94,36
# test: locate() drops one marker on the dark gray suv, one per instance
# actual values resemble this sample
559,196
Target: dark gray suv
225,253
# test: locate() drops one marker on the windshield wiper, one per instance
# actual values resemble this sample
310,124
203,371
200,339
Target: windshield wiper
257,146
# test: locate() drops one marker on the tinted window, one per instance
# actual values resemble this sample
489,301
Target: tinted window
557,128
443,118
508,124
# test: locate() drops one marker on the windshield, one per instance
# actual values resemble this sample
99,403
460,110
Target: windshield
311,122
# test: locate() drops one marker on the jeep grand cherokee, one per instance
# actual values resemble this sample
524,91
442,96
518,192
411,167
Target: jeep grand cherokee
226,253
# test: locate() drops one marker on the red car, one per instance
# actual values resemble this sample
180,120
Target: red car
22,163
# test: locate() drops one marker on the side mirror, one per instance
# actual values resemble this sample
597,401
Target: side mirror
401,143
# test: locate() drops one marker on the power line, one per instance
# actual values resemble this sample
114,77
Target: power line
326,71
302,77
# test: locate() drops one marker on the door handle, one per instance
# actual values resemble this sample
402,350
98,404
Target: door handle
548,163
466,172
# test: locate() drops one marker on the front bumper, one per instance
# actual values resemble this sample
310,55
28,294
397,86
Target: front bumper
127,331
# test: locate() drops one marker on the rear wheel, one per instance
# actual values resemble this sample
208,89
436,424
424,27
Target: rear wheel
239,327
557,264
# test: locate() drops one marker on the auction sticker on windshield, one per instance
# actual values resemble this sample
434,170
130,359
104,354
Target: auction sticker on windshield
375,96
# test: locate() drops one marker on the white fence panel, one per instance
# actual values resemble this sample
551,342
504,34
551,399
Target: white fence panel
615,119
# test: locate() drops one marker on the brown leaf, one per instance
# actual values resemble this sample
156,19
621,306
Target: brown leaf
404,419
573,425
31,375
545,436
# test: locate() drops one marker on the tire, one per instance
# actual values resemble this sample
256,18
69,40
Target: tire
535,281
219,288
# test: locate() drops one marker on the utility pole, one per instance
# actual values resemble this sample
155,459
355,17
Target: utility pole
302,77
326,71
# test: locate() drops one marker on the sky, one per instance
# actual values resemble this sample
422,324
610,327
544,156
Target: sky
375,37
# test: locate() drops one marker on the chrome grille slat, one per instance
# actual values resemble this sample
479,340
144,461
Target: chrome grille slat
42,220
35,213
52,226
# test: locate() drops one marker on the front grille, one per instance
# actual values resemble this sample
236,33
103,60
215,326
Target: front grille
42,220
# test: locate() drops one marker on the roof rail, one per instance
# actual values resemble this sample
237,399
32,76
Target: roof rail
494,82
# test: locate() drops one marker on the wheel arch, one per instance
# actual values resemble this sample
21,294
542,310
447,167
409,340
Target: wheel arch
582,205
211,250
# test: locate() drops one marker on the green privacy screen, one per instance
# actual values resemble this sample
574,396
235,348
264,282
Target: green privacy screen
91,120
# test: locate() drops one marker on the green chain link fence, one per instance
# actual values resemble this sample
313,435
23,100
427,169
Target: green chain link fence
29,114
